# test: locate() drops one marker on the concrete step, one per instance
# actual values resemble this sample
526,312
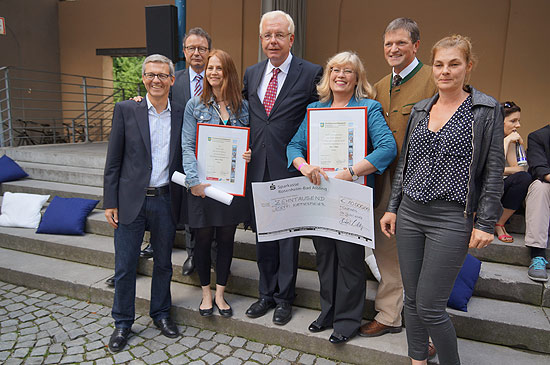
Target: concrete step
86,282
65,174
508,326
68,154
515,253
54,188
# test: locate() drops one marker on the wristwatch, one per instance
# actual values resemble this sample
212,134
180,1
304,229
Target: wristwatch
354,177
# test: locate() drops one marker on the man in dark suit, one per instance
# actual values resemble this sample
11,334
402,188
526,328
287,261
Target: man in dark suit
278,91
144,150
537,203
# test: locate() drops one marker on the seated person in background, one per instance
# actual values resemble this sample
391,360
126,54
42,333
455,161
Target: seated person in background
516,178
537,203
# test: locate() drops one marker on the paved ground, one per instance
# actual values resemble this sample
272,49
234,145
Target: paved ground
43,328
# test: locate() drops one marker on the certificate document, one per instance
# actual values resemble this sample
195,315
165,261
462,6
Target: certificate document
337,138
219,156
295,207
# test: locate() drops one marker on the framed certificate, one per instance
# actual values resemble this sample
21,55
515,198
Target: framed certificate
219,156
337,138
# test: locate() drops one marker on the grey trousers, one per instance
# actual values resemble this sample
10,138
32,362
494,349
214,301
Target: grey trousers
432,243
537,214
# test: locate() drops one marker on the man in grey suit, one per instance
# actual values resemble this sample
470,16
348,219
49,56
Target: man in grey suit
144,151
189,82
278,91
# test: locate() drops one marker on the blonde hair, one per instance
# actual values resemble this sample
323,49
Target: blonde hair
464,45
363,90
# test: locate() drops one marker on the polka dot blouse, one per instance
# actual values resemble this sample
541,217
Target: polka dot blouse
438,163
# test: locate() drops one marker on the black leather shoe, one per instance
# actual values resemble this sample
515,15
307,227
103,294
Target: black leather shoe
259,308
167,327
147,252
225,312
119,339
206,312
282,314
314,327
337,338
188,266
110,281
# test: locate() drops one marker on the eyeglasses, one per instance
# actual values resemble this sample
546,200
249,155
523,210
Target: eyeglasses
190,49
151,76
346,71
278,36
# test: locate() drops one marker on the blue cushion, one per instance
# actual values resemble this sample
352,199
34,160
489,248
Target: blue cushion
66,216
10,170
465,283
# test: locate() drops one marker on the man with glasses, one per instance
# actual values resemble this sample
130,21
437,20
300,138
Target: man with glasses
409,82
278,91
144,151
189,83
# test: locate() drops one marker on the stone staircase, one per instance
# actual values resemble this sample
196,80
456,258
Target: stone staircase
507,320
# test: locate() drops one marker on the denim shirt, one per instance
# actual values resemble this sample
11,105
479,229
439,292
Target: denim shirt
197,112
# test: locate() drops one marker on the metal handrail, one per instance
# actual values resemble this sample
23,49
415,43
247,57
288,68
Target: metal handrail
55,110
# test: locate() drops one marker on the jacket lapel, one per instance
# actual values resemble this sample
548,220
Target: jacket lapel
293,74
257,80
142,118
175,131
186,87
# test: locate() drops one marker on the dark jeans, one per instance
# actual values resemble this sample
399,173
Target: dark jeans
156,217
342,279
432,242
225,237
515,190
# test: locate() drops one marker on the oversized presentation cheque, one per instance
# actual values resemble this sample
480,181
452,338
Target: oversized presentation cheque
295,207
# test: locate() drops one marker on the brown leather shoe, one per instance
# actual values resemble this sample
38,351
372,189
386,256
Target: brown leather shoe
431,350
375,329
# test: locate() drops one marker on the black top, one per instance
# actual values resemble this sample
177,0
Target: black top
438,162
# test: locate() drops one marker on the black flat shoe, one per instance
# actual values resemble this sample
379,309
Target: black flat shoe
314,327
119,339
224,312
206,312
338,339
147,252
259,308
188,266
167,327
110,281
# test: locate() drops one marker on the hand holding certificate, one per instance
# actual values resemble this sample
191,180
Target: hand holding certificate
209,191
220,161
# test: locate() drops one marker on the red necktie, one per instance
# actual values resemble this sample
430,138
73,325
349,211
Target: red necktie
271,92
198,86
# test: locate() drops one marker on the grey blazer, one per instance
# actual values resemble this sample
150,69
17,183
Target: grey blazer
128,165
269,136
180,92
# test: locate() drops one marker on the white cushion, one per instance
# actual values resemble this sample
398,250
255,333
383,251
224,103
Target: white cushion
22,210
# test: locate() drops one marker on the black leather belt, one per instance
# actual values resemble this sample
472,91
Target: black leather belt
156,191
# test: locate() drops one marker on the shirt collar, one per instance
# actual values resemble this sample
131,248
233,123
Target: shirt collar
407,70
285,66
150,105
192,74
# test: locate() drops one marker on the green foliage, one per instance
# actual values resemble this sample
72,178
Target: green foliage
127,76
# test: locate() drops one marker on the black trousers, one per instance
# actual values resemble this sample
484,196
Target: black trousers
225,237
342,279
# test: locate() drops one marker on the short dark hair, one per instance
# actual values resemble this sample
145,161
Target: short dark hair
198,31
510,107
407,24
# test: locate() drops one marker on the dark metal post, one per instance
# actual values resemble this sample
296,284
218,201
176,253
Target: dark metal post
85,92
10,126
182,14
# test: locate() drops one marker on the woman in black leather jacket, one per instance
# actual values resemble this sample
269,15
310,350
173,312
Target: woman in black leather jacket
450,167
